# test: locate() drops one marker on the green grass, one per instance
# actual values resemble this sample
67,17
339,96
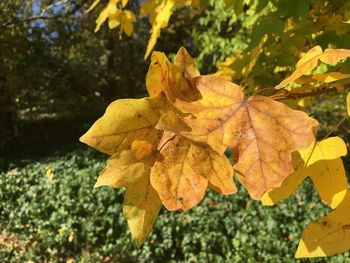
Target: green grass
65,218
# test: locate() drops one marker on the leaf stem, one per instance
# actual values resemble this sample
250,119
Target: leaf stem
335,127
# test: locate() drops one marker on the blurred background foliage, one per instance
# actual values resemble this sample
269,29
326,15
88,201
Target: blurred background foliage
57,76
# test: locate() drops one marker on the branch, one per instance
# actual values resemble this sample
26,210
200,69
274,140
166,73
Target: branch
43,13
294,95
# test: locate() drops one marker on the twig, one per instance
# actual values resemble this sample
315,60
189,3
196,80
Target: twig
298,95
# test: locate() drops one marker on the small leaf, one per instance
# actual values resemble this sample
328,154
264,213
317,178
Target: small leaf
160,21
329,77
307,63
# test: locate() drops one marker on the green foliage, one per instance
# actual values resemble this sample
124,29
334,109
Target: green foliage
58,216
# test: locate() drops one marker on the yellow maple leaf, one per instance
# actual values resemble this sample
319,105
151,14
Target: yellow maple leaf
264,132
131,169
322,163
327,235
125,121
182,173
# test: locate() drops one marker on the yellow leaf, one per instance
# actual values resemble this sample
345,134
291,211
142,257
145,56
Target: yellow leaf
333,56
94,4
161,21
328,235
289,185
329,77
141,208
264,132
324,167
148,7
181,174
186,64
49,174
328,149
131,169
307,63
127,20
109,11
124,2
173,80
125,121
329,179
310,60
121,169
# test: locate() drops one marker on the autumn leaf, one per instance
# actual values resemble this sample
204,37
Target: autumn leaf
125,121
164,11
328,235
264,132
131,169
322,163
109,11
172,79
182,173
310,61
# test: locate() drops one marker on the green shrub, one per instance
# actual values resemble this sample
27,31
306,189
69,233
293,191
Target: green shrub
59,216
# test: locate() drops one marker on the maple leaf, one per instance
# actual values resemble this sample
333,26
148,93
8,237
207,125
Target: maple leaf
310,61
131,169
264,132
125,121
328,235
182,173
322,163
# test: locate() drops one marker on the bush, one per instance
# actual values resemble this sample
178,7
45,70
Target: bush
50,212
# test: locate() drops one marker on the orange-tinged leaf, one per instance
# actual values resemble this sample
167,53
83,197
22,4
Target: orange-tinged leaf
328,235
264,132
160,21
141,208
181,175
123,122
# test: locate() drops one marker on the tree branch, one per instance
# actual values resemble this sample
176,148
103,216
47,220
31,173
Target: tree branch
294,95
